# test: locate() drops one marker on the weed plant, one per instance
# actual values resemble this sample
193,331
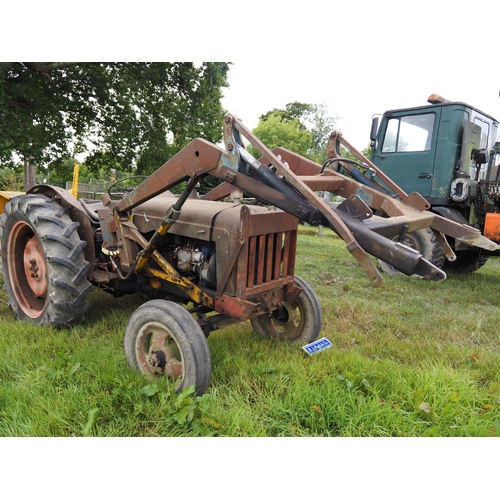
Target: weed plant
410,357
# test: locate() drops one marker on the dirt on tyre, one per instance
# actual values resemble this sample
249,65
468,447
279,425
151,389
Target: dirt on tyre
44,268
299,321
163,339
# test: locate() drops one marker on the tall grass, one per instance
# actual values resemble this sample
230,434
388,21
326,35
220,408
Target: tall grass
410,358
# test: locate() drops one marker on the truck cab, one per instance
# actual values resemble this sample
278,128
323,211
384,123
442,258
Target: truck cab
447,152
426,148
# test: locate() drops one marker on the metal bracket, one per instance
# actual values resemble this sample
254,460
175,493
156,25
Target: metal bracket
356,208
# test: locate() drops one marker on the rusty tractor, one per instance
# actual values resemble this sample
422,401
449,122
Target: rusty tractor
204,264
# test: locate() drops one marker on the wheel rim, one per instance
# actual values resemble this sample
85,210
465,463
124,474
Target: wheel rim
410,241
27,269
157,352
285,323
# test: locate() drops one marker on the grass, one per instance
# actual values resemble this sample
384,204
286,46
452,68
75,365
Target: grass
410,358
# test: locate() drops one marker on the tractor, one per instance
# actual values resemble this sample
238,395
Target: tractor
202,263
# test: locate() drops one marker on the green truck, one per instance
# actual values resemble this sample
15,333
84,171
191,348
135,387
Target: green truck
449,153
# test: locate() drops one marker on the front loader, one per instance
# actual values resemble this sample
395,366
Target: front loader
205,264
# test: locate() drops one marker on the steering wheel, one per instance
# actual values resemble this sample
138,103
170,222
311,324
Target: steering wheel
123,189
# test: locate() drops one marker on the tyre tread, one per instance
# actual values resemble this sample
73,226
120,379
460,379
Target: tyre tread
63,249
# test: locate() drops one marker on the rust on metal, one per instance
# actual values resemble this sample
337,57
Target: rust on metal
340,227
198,157
234,307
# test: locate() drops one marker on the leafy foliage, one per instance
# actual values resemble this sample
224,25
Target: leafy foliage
11,180
137,113
310,118
61,170
279,131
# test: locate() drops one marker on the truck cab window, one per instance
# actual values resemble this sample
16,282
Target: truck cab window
485,132
409,133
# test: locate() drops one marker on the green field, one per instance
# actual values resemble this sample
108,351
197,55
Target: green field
410,358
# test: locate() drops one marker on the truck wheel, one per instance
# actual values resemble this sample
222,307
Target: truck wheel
423,241
298,321
466,263
45,271
162,338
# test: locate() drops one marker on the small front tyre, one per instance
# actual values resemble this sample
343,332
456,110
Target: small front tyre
297,321
162,338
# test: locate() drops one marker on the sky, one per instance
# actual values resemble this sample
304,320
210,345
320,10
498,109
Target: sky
363,58
352,95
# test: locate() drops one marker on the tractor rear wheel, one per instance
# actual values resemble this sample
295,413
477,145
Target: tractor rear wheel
162,338
45,271
423,241
298,321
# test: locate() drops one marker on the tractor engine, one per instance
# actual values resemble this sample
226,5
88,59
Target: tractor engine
193,259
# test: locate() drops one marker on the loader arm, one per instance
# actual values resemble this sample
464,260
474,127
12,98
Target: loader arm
271,180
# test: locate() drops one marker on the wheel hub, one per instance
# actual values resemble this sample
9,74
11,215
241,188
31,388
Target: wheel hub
157,359
27,268
35,268
158,353
285,322
284,315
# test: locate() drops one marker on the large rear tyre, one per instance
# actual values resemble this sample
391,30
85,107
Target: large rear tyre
162,338
298,321
423,241
45,271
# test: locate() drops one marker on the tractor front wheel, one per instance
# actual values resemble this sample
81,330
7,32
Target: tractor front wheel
297,321
162,338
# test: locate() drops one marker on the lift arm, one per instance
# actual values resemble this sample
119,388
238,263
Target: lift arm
273,180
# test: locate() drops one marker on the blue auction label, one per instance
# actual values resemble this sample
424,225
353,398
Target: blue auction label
317,346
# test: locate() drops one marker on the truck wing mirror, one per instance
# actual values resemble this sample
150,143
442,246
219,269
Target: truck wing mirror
373,132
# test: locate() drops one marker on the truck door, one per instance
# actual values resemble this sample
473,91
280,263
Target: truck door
406,149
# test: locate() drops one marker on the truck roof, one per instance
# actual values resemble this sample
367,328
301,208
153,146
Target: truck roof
447,103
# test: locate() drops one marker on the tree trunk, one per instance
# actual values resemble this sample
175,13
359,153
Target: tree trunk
29,175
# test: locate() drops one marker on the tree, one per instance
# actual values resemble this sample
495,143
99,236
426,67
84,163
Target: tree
276,130
60,171
313,118
293,110
49,111
321,126
11,180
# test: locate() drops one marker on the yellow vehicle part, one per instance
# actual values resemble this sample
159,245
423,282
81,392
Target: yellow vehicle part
6,196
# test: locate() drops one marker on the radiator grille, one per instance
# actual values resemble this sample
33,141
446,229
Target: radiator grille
270,257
